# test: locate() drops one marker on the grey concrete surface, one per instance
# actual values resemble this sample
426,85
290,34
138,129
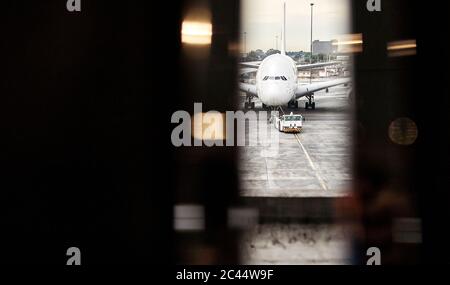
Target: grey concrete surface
313,163
300,244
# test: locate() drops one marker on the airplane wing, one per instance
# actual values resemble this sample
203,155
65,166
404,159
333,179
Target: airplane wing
248,67
247,70
251,64
315,65
303,90
248,88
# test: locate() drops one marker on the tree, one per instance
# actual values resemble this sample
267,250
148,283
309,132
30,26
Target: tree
260,53
272,51
252,56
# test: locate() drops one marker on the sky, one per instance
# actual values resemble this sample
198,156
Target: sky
261,20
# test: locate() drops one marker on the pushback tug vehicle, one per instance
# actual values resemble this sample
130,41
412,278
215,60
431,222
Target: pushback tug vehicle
289,123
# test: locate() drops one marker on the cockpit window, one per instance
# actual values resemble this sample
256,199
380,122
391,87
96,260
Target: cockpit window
274,78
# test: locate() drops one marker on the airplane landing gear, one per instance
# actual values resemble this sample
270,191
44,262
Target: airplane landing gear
310,105
293,104
249,105
310,102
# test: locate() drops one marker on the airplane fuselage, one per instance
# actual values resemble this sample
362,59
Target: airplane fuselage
276,80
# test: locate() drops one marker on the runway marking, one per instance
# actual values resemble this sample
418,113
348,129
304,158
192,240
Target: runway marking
269,181
311,163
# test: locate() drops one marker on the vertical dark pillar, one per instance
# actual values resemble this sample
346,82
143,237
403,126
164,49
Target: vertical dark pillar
207,176
85,154
395,181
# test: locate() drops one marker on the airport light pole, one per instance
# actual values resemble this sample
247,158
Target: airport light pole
311,48
276,42
245,43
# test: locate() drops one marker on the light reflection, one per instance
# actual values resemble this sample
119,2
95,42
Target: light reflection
209,127
196,33
401,48
189,217
350,43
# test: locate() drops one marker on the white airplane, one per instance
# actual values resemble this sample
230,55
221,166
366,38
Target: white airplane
277,79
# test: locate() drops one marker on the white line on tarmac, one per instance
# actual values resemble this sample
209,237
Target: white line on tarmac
311,163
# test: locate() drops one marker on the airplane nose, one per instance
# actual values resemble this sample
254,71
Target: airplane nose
271,91
274,94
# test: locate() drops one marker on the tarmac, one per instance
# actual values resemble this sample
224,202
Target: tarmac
314,163
295,185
